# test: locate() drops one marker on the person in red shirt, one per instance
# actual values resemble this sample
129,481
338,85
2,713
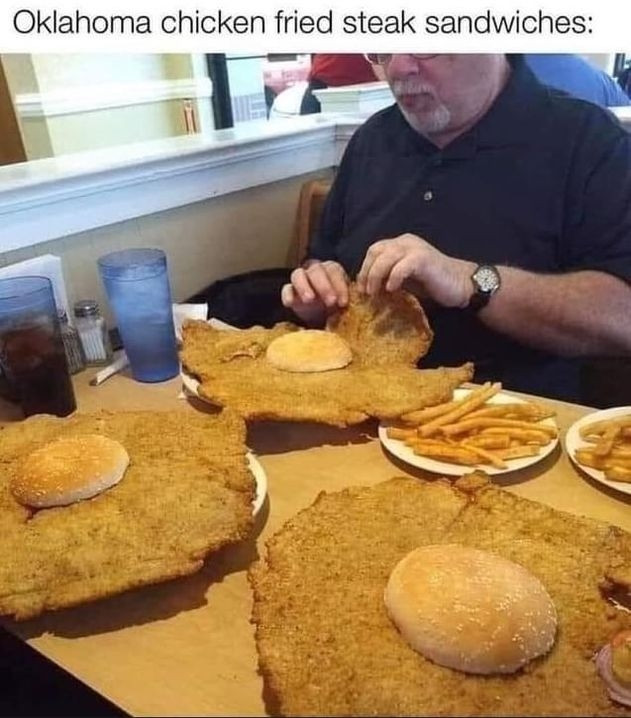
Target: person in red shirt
334,71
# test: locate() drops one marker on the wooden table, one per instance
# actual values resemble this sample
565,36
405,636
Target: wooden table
186,647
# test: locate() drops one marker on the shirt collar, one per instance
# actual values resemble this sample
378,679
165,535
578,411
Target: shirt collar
509,121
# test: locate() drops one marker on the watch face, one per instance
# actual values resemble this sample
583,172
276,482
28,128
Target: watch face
487,279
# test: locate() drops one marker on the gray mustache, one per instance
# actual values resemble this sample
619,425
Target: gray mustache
411,87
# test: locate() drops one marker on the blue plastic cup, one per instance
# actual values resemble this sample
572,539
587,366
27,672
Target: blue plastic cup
137,286
32,354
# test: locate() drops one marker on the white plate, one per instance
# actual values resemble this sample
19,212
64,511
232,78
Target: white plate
261,482
405,453
573,441
192,386
190,383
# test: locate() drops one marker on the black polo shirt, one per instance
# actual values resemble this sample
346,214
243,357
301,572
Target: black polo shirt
542,182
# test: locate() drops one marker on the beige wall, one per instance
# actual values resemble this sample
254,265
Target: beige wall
63,71
60,134
20,73
247,230
120,125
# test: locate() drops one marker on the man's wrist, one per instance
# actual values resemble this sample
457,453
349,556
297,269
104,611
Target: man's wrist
467,269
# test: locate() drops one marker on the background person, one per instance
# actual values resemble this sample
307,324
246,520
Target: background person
624,80
574,75
334,71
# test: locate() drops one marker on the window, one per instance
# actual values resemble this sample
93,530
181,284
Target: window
246,85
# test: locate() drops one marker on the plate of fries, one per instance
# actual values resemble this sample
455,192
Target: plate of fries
481,428
600,444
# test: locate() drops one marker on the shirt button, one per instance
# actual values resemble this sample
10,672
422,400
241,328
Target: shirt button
428,196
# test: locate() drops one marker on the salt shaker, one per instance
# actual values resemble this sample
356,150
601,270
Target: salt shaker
92,332
72,344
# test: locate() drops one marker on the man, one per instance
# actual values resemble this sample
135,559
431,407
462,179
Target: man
504,205
574,75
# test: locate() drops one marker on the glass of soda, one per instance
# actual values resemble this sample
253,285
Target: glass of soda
137,285
32,355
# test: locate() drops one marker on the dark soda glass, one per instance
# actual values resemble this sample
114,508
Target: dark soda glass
32,356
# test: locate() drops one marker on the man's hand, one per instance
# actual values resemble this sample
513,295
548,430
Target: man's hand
391,262
316,289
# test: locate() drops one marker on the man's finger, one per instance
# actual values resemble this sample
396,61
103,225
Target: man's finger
287,296
401,271
339,280
369,260
322,285
380,271
302,286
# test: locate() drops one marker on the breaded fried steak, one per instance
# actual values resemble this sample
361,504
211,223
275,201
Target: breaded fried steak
386,337
327,645
186,492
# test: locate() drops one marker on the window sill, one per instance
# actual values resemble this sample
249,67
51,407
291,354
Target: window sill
51,198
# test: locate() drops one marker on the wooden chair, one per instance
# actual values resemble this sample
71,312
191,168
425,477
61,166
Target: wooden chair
313,194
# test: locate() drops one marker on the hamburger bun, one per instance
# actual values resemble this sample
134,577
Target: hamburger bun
68,470
309,350
470,610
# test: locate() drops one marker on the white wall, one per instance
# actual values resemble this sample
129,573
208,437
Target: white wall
204,241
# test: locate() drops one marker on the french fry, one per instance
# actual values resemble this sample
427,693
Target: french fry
488,456
396,432
490,441
591,438
447,452
622,462
473,401
422,415
525,436
531,412
608,448
413,441
518,452
586,457
605,445
618,473
600,427
482,423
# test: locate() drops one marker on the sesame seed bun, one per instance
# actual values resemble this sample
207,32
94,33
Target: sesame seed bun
309,350
470,610
68,470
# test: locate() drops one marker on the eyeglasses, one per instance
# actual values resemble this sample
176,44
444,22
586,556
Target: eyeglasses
375,59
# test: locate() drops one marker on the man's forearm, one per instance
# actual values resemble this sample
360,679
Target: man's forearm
578,314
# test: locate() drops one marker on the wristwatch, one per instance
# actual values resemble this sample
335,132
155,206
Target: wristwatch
486,281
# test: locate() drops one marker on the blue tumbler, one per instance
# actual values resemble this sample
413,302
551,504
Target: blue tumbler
137,286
